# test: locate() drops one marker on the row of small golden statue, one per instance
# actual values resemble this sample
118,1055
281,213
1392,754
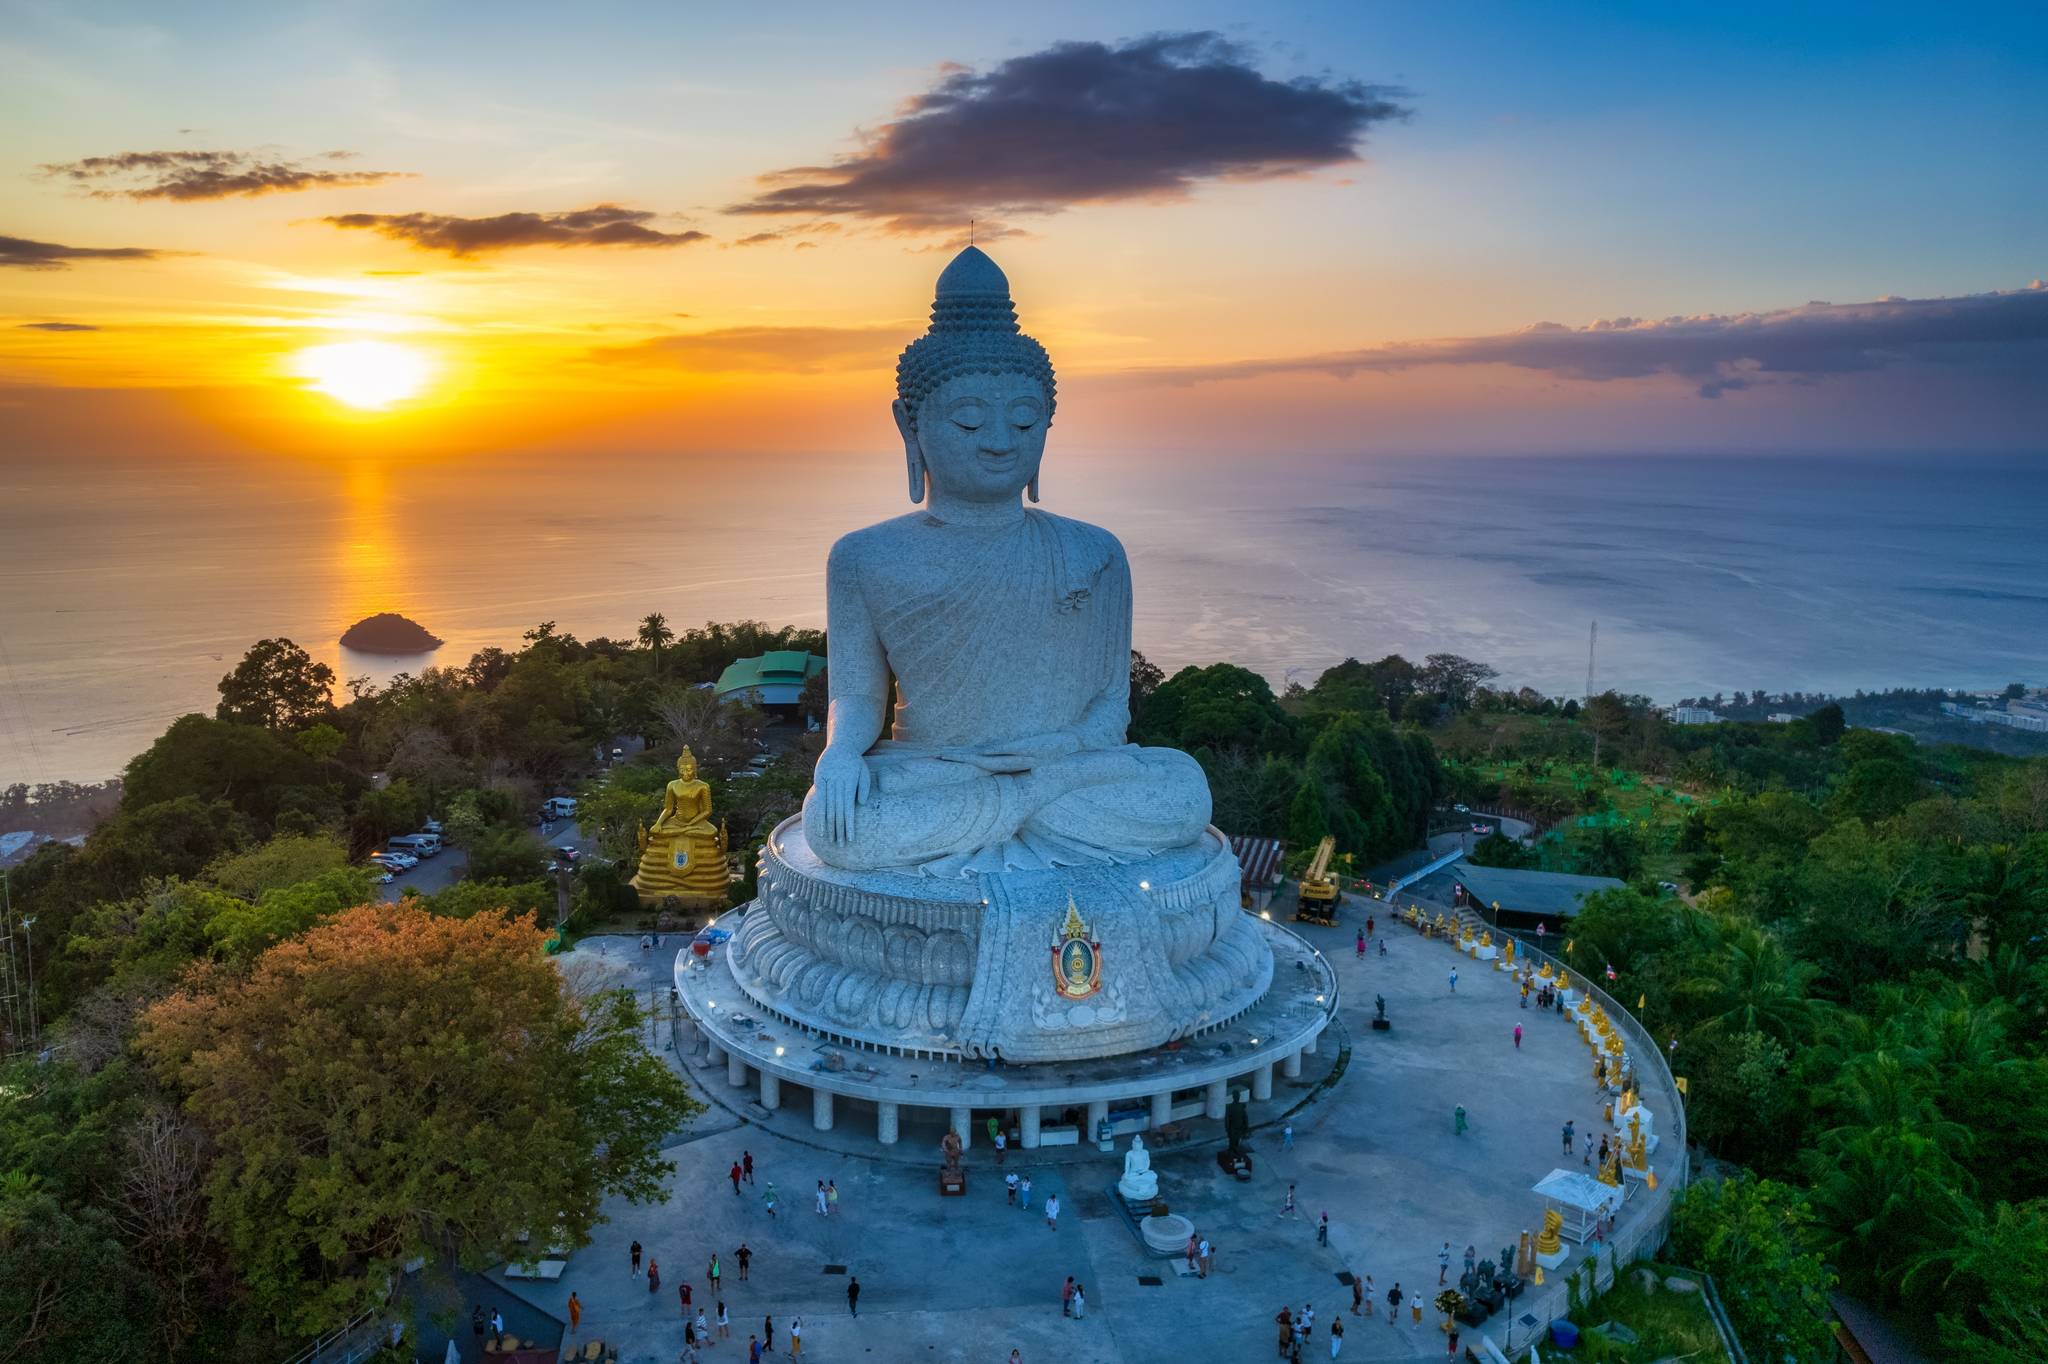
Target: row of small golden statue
682,857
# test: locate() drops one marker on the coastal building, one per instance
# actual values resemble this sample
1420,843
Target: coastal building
1694,715
1781,717
774,679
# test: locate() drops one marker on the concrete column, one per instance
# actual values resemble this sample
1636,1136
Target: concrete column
1308,1048
1162,1109
1262,1083
1027,1126
736,1069
886,1123
1097,1111
771,1091
821,1109
1291,1067
713,1053
1218,1097
962,1120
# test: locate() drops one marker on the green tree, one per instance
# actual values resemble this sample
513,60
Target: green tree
464,899
1750,1234
1218,707
277,685
321,742
241,929
461,1133
511,856
258,772
67,1290
286,860
654,634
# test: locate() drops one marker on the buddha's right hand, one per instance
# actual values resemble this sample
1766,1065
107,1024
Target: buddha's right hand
843,781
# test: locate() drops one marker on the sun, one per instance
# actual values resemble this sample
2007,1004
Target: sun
366,374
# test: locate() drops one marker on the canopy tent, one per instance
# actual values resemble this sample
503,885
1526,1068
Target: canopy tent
1583,1199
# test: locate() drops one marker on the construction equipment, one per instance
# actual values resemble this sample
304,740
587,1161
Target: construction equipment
1319,893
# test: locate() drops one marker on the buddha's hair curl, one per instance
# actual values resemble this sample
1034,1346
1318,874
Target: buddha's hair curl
936,358
974,331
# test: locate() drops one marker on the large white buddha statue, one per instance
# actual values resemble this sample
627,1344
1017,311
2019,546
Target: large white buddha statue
1006,630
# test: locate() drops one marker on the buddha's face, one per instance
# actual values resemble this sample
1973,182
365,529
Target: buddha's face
980,436
686,766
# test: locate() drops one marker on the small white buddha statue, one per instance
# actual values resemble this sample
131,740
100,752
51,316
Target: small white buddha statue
1139,1184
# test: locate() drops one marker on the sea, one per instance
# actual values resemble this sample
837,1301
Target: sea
130,586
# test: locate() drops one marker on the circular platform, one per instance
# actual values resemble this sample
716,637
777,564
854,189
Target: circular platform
1052,1103
1058,964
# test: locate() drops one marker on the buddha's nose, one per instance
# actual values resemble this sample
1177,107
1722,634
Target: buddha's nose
998,438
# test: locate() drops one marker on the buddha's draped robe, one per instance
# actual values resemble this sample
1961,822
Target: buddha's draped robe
996,635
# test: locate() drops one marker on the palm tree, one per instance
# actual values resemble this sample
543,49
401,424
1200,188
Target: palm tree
1763,989
654,633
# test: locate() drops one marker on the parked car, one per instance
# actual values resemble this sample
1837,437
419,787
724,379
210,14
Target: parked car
558,807
568,853
1481,828
396,861
433,826
1462,809
1668,887
385,878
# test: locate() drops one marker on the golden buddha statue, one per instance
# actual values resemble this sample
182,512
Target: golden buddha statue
1564,982
1610,1168
1547,972
1638,1150
1507,952
1486,938
683,856
1614,1046
1550,1240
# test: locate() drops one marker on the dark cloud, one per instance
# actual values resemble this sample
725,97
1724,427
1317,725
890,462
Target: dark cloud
197,175
599,225
758,239
23,254
1085,122
790,350
56,327
1716,352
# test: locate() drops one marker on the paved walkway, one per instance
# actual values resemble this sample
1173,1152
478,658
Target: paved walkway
968,1279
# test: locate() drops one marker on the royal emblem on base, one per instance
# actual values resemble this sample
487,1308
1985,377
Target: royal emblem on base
1076,958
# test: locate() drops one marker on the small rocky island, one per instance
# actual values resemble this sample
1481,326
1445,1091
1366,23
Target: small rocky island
387,632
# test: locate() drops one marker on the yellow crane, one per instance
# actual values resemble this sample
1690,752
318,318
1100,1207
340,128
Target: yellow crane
1319,894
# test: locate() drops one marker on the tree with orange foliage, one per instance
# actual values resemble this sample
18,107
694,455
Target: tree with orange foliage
391,1085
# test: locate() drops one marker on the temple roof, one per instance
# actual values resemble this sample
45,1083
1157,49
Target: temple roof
784,667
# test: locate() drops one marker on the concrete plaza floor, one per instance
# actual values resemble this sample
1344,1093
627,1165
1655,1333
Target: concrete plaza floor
971,1278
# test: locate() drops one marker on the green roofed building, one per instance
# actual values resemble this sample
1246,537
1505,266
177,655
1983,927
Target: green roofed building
773,679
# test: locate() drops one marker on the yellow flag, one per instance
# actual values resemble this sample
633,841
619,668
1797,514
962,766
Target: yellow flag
1538,1278
1567,946
1642,1001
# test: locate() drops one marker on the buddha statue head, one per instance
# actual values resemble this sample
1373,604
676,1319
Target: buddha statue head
974,395
686,764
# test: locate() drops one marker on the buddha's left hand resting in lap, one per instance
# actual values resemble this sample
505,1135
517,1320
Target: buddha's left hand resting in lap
1007,631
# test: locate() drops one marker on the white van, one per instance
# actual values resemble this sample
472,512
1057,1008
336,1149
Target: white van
416,845
558,807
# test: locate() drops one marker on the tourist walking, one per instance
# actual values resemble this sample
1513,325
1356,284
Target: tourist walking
744,1256
497,1322
853,1296
768,1197
1067,1297
1190,1251
1336,1336
724,1324
1002,1145
1357,1292
1443,1264
796,1337
1323,1230
1361,944
1518,1037
653,1274
1287,1208
1568,1126
734,1175
1284,1320
477,1324
768,1334
1454,980
1205,1255
1024,1192
831,1196
1080,1302
1415,1310
821,1213
1010,1188
747,1165
753,1350
1287,1136
1394,1304
1052,1212
683,1298
575,1313
1367,1297
701,1327
635,1252
1471,1260
711,1272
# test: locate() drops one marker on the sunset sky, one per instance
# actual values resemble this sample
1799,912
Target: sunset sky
454,229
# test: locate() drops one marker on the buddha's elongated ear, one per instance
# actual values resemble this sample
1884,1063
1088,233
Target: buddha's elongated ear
913,457
1031,488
